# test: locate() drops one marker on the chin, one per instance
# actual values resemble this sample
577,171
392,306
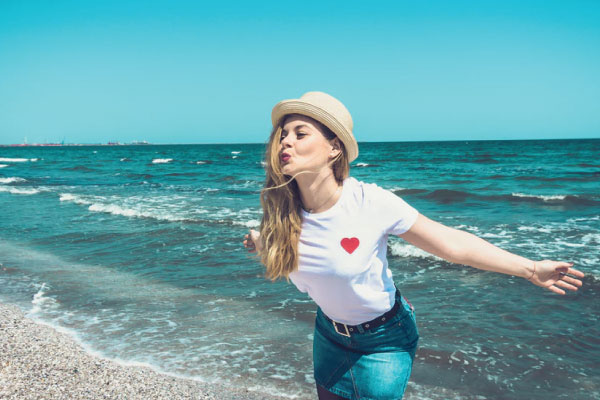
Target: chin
286,169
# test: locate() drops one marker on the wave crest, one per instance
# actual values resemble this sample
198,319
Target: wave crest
14,190
12,180
161,160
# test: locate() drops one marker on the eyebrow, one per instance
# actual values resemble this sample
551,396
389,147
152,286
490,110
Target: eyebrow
296,128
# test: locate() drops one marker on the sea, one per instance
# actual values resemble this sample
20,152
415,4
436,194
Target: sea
136,252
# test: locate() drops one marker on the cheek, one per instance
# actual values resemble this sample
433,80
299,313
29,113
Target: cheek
312,148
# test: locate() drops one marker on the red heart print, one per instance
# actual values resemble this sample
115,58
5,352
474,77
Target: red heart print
350,244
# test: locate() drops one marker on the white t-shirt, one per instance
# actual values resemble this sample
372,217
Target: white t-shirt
342,252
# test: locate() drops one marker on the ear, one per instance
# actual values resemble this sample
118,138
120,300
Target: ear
336,148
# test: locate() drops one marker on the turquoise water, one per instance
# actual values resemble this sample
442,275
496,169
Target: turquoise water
137,252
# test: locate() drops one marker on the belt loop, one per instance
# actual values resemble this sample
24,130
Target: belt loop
360,328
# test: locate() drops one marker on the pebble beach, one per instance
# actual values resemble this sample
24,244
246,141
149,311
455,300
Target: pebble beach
37,362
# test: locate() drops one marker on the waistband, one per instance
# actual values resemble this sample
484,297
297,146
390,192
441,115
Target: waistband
346,330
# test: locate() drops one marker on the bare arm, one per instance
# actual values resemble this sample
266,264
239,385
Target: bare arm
465,248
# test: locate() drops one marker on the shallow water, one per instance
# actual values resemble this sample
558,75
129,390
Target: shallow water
136,251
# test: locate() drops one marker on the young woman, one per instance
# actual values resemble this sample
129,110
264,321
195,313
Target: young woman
327,232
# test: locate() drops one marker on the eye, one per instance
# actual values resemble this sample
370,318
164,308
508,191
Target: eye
300,134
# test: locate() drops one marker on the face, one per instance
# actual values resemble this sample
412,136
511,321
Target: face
304,147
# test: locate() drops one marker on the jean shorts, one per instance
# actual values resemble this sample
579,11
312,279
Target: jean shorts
373,365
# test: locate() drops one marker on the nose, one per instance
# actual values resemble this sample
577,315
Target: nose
286,142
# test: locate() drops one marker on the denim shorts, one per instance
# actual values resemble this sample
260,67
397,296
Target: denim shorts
373,365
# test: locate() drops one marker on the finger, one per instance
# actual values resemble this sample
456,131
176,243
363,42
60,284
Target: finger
565,285
575,272
556,290
572,281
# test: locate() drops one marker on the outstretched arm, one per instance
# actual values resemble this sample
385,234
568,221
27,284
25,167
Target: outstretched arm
465,248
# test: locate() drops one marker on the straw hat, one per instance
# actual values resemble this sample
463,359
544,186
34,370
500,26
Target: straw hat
327,110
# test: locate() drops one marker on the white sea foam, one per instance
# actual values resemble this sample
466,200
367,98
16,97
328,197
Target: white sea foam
534,229
169,208
12,180
469,228
542,197
16,159
502,235
15,190
200,162
594,218
130,212
3,165
591,238
234,156
124,159
161,160
361,164
40,301
235,152
568,244
248,224
114,209
73,198
131,207
400,249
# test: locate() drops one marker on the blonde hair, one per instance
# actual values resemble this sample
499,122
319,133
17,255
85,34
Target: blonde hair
280,200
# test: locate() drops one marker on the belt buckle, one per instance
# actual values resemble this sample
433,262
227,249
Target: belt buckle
347,334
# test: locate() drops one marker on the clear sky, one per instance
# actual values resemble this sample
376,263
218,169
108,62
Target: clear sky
210,72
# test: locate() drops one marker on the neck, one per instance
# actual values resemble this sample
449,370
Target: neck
318,192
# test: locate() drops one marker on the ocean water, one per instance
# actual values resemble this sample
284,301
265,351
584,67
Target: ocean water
136,251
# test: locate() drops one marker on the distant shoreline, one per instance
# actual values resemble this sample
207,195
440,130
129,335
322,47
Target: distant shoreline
76,144
117,144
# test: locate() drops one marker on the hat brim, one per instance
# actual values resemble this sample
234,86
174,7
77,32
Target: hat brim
287,107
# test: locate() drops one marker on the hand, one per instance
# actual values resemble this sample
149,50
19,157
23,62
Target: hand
252,241
554,275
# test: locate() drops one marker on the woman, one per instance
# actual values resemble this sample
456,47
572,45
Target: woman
327,232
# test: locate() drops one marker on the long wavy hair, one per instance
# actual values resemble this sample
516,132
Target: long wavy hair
280,199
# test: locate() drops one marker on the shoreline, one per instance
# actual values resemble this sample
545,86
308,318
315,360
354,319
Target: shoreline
37,361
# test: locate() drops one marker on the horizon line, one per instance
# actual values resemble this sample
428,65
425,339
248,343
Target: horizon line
54,144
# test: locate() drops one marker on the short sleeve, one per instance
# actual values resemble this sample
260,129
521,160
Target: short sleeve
394,214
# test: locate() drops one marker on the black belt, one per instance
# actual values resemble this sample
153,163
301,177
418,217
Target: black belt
346,330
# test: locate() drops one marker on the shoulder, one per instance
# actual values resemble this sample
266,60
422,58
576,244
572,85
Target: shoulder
365,192
366,188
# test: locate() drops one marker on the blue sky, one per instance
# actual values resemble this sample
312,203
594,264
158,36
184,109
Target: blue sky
189,72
